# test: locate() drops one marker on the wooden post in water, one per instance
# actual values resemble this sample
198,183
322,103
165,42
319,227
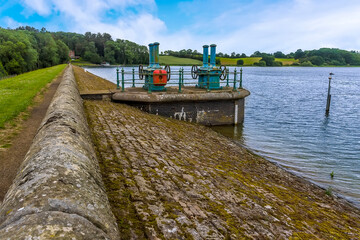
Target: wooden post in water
328,96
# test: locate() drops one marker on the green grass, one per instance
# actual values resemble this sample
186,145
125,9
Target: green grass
233,61
249,61
81,63
287,61
171,60
17,93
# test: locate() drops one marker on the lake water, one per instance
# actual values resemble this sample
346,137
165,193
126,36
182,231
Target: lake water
285,122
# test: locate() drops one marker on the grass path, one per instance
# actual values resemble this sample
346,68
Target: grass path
17,93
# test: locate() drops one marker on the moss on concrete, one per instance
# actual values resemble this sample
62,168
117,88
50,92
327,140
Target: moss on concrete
171,180
168,179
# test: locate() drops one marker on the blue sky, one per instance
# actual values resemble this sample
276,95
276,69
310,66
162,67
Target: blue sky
241,26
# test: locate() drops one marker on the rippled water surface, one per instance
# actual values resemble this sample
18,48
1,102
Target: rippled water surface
285,122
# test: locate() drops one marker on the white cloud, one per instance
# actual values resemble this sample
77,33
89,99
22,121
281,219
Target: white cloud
41,7
285,25
11,23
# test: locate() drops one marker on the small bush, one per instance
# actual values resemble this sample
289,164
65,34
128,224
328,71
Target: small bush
277,64
306,64
261,63
240,62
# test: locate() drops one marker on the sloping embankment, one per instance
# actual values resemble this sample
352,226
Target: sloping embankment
58,191
169,179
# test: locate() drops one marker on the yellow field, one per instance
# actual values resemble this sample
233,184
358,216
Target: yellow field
171,60
249,61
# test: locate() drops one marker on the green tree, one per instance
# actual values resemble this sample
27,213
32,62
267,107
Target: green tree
299,54
269,60
261,63
279,54
2,71
317,60
62,51
91,55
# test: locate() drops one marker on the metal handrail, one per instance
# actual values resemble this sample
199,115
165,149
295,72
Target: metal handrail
179,82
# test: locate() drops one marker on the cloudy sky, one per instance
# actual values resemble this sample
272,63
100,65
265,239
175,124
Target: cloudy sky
234,25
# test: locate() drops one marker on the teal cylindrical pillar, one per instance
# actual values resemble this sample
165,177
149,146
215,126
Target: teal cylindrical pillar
117,79
151,54
150,83
205,55
212,55
156,54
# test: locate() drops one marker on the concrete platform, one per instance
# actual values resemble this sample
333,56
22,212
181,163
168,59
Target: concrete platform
215,107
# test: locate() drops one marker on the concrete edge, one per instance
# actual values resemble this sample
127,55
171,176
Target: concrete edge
58,190
154,98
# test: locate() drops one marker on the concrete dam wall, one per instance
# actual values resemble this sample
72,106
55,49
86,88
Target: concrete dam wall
58,190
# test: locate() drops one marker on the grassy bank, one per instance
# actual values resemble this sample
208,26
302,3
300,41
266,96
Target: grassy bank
17,93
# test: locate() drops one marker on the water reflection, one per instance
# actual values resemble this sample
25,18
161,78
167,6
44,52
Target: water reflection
234,132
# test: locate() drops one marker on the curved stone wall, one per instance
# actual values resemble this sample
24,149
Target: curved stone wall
58,191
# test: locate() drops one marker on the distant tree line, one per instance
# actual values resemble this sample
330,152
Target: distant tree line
97,48
22,51
26,48
328,56
321,57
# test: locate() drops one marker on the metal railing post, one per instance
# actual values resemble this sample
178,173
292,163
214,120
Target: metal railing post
182,76
117,79
227,78
133,77
240,84
180,83
122,80
234,89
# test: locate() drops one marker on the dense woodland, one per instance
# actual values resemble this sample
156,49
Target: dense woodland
26,48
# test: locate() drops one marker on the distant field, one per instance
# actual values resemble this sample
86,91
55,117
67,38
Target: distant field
171,60
232,61
251,60
17,93
287,61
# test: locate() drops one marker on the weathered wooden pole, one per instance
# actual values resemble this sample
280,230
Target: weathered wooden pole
328,96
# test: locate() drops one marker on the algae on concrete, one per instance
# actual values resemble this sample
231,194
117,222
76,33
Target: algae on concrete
175,180
168,179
